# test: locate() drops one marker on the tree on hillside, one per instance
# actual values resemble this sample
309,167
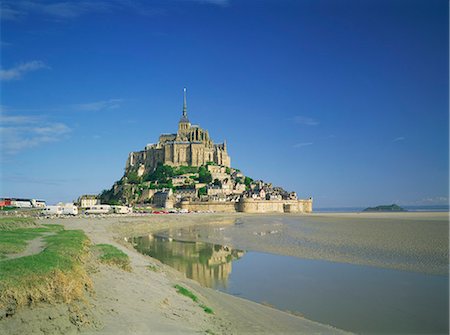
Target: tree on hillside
248,181
133,178
162,174
204,176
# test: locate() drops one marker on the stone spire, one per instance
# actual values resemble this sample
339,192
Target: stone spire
184,104
184,117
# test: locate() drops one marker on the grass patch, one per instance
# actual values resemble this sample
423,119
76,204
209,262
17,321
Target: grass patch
109,254
55,274
207,309
184,291
15,240
9,223
153,268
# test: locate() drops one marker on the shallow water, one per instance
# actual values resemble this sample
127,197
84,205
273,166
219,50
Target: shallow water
357,298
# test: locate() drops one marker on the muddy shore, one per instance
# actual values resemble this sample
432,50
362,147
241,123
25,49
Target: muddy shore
144,301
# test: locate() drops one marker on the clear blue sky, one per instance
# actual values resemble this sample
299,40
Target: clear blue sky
343,100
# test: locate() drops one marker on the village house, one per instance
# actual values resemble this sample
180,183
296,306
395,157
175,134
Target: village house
88,200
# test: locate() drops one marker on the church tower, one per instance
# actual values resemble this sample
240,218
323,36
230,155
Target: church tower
184,125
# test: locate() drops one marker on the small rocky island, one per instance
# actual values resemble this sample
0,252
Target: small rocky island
385,208
187,170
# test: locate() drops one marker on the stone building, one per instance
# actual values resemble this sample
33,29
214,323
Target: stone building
163,199
190,146
88,200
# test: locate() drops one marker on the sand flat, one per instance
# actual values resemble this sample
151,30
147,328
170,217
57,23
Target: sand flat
144,301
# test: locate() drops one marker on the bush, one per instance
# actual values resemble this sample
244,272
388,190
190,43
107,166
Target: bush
248,181
133,178
202,191
185,169
204,176
161,174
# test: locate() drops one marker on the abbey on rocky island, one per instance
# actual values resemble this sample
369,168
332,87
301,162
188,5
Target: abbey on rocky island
190,146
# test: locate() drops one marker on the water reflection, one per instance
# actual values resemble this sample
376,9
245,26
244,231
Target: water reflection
207,263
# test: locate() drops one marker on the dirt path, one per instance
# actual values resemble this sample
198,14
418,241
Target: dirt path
34,247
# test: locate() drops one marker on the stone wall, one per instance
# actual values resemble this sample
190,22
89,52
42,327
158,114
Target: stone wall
251,206
215,206
248,205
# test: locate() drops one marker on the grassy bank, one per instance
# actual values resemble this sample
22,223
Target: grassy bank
54,274
109,254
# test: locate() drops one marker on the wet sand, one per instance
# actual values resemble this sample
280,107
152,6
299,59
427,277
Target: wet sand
402,241
144,301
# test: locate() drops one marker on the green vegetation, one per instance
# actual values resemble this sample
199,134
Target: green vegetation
7,223
133,178
185,170
202,191
153,268
207,309
248,181
385,208
204,176
8,208
109,254
162,174
227,170
184,291
55,274
13,241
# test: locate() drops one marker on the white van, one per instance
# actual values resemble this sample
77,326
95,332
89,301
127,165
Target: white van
52,210
121,209
69,209
98,209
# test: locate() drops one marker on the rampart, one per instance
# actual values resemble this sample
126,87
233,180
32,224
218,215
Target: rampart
215,206
250,206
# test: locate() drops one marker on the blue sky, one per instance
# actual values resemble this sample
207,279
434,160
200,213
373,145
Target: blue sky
343,100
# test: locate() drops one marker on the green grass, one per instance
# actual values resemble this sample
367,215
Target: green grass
109,254
15,240
153,268
10,223
184,291
55,274
207,309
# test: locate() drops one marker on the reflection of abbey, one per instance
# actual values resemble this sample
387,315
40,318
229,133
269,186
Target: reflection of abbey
208,264
190,146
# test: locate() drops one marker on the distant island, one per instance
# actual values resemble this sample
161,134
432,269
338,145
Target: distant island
385,208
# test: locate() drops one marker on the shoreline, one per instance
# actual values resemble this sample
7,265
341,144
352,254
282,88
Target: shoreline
144,300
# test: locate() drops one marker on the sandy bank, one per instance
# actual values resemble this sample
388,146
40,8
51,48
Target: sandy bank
144,301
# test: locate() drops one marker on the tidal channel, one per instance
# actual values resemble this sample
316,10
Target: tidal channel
360,299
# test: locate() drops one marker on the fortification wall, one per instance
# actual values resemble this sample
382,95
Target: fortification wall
251,206
216,206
